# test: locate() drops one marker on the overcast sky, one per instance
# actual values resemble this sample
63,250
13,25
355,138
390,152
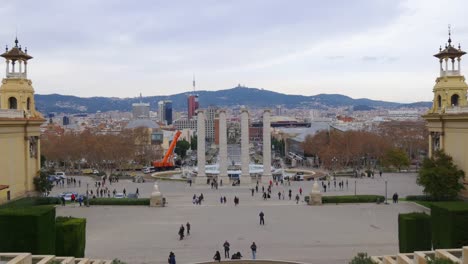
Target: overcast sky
378,49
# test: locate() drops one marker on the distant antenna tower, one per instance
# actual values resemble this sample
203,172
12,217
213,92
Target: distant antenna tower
141,98
193,83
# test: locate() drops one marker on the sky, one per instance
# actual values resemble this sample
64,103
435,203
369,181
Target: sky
377,49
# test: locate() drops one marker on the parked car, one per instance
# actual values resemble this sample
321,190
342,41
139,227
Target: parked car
60,175
132,195
119,195
67,195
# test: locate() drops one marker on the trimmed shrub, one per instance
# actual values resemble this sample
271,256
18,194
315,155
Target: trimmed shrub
414,232
117,201
361,258
425,198
449,224
28,229
70,236
353,199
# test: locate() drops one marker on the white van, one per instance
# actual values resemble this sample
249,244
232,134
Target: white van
60,175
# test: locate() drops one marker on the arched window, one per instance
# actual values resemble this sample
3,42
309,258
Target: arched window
28,104
12,103
454,100
439,101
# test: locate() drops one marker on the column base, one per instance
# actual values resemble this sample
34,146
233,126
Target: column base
156,201
315,199
201,180
225,179
245,180
266,179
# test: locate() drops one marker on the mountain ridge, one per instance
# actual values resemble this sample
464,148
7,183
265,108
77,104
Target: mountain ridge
250,97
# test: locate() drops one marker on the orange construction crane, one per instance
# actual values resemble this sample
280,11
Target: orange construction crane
168,162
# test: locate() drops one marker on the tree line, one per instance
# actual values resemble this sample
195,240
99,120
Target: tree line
390,144
123,151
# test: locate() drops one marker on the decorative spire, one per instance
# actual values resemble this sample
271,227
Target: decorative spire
450,36
26,50
16,42
440,48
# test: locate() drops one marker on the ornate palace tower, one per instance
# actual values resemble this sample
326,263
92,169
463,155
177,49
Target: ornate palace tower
16,92
447,120
19,128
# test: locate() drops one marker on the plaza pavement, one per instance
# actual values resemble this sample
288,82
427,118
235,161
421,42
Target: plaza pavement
319,234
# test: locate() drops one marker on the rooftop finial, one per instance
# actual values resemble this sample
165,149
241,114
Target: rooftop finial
440,48
25,49
450,35
16,41
6,47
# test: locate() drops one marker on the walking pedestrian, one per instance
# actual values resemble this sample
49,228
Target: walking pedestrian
290,194
395,198
171,259
224,199
188,228
253,190
253,247
217,256
256,188
79,183
181,232
226,246
300,190
137,192
279,195
297,198
262,218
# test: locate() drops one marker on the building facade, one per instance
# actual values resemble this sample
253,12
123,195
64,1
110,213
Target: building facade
19,128
165,112
447,120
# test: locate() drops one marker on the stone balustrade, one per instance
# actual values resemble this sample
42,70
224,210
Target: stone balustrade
28,258
11,113
459,255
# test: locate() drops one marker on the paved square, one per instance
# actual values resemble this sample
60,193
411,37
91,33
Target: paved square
323,234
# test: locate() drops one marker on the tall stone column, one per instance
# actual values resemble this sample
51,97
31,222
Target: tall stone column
223,163
201,137
266,177
245,153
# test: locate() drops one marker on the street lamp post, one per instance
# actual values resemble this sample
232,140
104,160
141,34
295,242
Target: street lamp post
87,195
355,187
386,192
334,160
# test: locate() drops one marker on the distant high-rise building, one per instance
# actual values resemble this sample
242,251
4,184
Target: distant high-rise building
141,110
192,102
66,120
165,111
193,105
279,110
210,123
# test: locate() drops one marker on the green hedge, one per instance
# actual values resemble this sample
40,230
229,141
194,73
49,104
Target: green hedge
122,201
70,236
414,232
32,201
353,199
423,198
449,224
28,229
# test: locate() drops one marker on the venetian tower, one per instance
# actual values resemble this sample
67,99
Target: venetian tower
19,128
16,92
447,120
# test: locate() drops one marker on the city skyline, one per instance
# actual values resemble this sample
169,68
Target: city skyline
370,49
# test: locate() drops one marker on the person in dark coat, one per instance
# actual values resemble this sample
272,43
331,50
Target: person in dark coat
395,198
217,256
226,246
253,247
262,218
171,259
188,228
181,232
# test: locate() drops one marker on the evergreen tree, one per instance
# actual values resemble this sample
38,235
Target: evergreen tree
440,177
